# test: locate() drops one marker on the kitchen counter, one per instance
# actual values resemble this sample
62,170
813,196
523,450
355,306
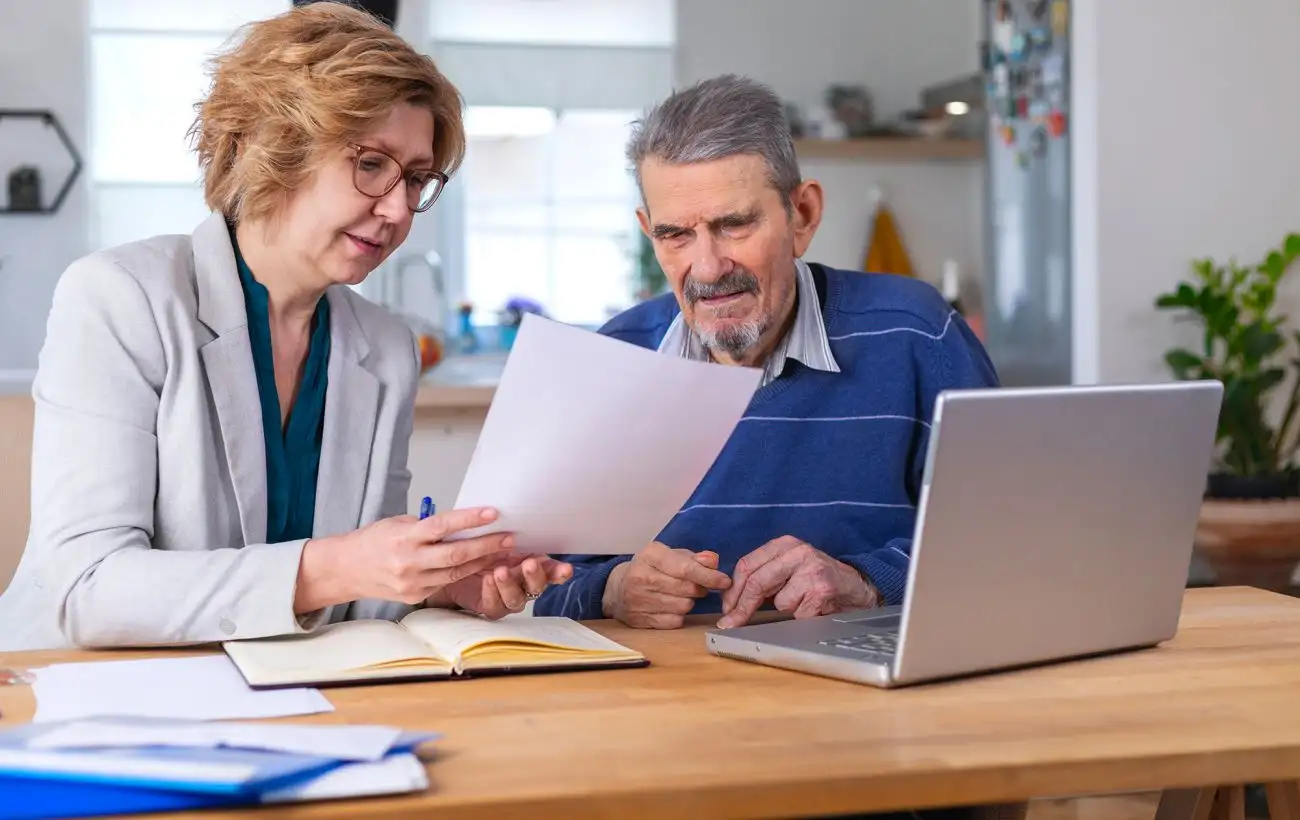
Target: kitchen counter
461,383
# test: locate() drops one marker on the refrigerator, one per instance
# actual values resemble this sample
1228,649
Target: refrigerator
1024,63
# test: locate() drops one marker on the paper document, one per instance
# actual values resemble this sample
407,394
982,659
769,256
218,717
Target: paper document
361,743
592,444
195,688
395,774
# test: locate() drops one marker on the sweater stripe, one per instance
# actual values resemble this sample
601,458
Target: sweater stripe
797,505
942,333
799,419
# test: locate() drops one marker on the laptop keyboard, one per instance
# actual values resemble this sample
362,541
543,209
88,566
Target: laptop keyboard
872,643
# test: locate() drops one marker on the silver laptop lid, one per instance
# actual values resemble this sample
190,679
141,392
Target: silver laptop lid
1054,522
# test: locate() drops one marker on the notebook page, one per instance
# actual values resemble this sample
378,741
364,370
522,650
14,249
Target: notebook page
453,633
334,649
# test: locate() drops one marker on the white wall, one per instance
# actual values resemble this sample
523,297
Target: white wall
894,47
1186,117
42,65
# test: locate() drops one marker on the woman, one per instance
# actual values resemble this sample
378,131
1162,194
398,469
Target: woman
221,424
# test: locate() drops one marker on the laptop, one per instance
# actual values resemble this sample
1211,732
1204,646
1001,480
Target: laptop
1053,523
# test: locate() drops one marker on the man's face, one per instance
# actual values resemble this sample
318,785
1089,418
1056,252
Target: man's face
727,246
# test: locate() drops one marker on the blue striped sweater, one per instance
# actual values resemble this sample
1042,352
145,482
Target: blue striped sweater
834,459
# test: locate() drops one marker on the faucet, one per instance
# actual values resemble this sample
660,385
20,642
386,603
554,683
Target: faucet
392,293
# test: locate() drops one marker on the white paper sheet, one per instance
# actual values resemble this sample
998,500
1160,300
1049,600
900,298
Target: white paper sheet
197,688
343,742
592,444
395,774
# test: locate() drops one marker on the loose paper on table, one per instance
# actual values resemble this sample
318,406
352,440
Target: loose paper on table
194,688
592,444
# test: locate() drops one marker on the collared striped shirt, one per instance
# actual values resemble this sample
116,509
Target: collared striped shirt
805,342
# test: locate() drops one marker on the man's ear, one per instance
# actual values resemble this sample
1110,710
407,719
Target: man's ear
643,219
806,205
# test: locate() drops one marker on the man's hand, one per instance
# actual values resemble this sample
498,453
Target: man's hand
802,579
659,586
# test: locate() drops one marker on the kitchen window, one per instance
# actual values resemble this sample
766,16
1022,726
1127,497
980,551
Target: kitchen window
148,68
550,211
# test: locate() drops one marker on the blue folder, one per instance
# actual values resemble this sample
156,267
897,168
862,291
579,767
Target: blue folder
94,782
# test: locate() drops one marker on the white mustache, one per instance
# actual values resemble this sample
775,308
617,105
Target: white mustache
731,283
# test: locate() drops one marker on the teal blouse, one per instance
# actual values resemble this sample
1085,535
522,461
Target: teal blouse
292,453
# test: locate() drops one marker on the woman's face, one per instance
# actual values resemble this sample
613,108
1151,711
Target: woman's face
343,234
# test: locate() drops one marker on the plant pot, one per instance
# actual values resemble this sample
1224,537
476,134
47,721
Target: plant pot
1250,542
1227,486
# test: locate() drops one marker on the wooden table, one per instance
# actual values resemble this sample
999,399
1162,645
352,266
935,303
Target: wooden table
697,736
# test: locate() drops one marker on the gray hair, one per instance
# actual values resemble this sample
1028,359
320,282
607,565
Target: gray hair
715,119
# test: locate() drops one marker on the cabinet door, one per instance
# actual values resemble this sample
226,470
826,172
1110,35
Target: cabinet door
441,447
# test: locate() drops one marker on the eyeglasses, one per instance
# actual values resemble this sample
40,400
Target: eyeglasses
376,173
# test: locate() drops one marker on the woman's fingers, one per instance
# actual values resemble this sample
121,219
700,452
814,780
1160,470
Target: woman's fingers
439,526
559,572
508,587
441,576
534,576
456,555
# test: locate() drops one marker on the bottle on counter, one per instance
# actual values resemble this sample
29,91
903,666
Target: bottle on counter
952,287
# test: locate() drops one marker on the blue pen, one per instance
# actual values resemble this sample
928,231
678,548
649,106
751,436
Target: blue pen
426,508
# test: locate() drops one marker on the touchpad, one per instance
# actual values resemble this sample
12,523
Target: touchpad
876,618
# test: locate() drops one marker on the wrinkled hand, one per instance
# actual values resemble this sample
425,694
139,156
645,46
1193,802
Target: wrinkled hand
497,591
801,578
659,586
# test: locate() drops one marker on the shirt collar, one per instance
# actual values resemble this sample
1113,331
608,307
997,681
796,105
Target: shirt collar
806,341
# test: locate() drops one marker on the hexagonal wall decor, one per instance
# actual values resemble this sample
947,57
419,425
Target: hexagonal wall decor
17,179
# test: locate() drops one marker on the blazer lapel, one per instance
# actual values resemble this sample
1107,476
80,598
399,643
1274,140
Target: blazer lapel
351,409
228,362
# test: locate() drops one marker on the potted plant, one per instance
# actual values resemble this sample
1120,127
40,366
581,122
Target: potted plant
1250,523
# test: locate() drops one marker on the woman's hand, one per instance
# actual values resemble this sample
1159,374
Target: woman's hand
397,559
505,588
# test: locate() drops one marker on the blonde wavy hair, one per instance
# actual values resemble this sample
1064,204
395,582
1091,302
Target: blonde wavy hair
297,86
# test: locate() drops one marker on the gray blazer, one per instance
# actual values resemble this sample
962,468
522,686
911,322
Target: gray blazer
149,497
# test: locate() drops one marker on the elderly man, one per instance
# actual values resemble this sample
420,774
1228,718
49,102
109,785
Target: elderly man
810,505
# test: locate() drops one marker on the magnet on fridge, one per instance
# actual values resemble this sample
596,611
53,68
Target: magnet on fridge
1041,38
1056,123
1019,46
1052,68
1009,104
1060,17
1008,133
1022,159
1004,33
1039,9
1022,106
1039,141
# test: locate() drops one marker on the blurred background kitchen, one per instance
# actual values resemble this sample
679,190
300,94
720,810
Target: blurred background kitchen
1051,165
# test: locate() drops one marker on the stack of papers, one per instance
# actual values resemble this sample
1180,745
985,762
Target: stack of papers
104,766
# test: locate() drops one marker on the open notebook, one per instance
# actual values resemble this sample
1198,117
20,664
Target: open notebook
428,643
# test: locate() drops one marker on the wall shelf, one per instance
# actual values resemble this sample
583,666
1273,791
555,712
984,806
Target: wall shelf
50,121
891,149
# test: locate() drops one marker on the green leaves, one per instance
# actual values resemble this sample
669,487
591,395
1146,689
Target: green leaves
1234,305
1185,364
